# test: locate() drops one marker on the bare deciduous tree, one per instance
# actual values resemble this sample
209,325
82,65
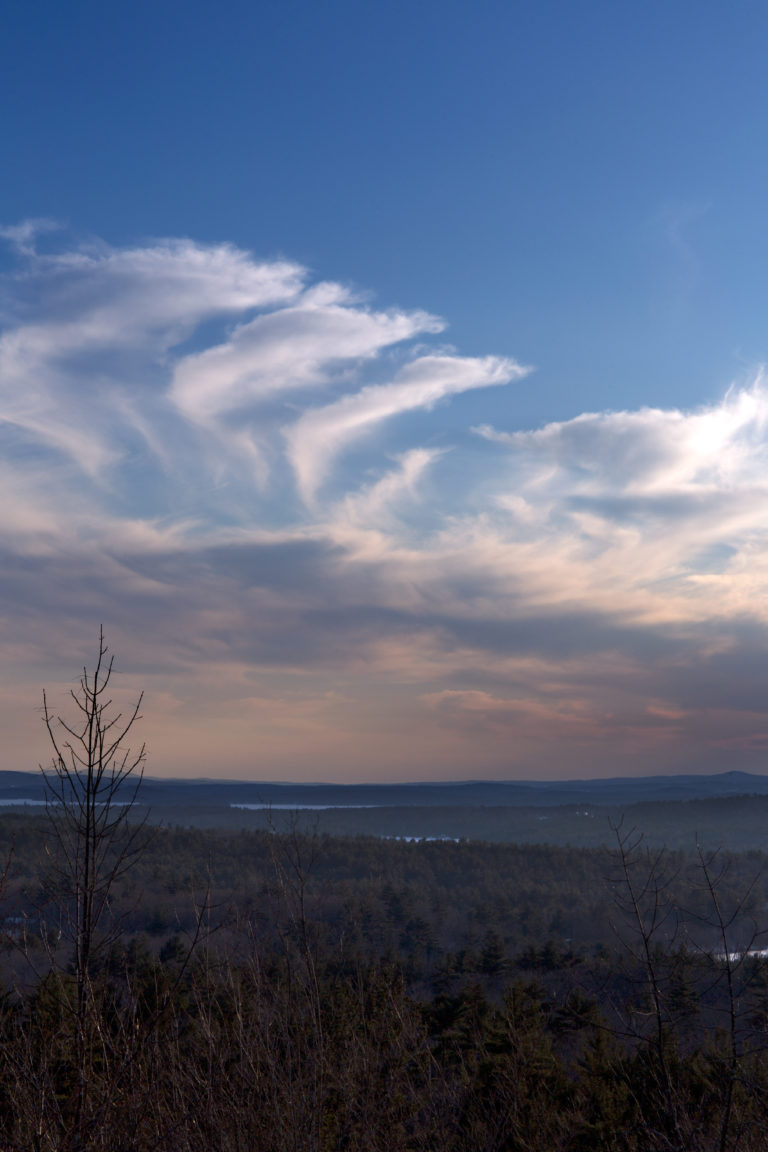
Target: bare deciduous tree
91,790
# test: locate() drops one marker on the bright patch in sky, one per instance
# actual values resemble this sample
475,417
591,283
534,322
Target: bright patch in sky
247,475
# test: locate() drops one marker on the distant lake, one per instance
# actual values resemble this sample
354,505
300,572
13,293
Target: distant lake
294,807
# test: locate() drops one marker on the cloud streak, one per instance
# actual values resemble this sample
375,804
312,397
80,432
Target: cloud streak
245,475
289,350
321,434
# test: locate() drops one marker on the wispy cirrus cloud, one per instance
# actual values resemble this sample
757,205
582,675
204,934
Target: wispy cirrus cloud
193,453
288,350
320,434
92,327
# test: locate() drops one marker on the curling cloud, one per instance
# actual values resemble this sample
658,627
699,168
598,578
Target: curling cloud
320,434
288,350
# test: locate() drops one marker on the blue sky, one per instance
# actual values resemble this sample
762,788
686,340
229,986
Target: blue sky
388,381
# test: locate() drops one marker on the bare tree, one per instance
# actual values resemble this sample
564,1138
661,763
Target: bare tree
91,790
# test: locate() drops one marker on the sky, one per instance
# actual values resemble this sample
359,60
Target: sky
388,382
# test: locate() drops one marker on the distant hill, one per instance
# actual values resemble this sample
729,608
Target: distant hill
728,810
618,791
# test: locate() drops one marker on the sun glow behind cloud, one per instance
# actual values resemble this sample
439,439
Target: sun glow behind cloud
217,458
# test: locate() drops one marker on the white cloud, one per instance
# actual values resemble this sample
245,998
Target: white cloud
657,514
102,322
166,287
368,521
22,236
289,349
373,505
653,451
321,434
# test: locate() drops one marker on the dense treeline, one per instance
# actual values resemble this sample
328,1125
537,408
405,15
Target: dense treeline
283,991
737,822
426,903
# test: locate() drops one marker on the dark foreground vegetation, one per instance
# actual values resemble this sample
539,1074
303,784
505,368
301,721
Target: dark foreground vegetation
181,989
282,991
